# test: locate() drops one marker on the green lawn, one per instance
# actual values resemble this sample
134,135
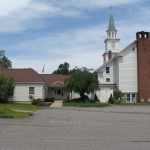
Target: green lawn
17,110
134,104
86,103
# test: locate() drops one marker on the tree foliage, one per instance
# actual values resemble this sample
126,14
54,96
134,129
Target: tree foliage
62,69
111,100
115,98
5,62
82,82
6,88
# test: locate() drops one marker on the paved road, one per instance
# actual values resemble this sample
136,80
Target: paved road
111,128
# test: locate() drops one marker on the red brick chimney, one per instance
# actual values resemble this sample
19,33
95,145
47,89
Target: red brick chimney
143,60
109,55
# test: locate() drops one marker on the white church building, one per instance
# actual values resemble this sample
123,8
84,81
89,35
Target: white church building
122,69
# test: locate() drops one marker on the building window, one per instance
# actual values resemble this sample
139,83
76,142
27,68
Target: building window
133,98
107,70
31,91
128,97
107,79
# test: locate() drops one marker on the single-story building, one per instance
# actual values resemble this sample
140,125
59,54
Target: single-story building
28,83
56,86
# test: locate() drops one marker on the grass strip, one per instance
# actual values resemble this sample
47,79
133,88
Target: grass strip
15,110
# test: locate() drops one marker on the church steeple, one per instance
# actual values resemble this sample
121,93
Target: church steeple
111,42
111,26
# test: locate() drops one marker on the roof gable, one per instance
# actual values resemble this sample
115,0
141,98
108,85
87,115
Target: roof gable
55,80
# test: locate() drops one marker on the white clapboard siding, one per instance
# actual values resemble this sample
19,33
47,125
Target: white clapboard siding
21,92
128,71
102,76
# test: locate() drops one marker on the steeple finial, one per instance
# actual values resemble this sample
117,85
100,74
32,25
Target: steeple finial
111,26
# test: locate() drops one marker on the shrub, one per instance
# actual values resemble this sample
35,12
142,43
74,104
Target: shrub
117,96
36,101
85,97
44,103
40,102
49,99
96,98
111,99
79,100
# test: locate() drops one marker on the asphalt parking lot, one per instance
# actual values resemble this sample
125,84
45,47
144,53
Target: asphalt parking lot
110,128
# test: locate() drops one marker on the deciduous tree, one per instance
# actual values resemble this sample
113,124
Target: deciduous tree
5,62
62,69
6,88
82,82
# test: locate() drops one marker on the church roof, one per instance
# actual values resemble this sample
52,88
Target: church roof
120,54
111,26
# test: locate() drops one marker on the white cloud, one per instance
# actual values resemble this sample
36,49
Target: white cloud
80,47
75,47
88,59
90,4
22,15
18,15
71,41
9,6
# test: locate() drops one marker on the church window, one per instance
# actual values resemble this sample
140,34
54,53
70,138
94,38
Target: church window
107,70
107,79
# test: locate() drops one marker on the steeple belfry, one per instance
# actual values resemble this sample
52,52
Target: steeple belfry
111,42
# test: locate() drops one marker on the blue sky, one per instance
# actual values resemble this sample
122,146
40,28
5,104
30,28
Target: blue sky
50,32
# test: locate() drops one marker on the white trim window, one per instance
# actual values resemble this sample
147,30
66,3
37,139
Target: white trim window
31,91
107,79
107,69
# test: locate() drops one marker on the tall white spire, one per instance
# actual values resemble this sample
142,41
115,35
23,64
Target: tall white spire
111,42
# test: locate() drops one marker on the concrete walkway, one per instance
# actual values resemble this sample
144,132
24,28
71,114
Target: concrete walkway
57,104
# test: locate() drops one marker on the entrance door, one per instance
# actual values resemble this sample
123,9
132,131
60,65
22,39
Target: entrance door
59,93
131,98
